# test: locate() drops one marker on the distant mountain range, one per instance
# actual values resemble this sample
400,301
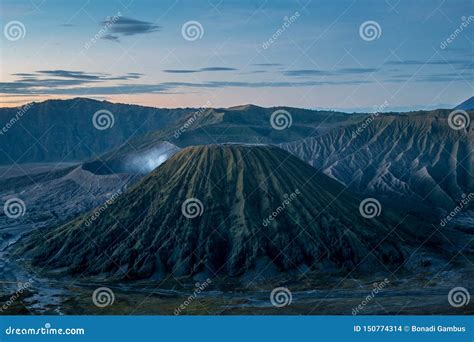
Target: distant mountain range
64,131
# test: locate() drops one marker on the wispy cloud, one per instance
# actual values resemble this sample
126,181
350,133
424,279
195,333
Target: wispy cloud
313,72
41,80
267,64
191,71
123,26
306,72
166,87
86,76
356,70
434,62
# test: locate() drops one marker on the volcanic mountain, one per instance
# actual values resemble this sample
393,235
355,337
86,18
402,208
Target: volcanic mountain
467,105
230,210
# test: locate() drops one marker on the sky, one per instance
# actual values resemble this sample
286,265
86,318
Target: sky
342,55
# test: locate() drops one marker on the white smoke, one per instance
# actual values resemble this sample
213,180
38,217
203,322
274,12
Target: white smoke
147,161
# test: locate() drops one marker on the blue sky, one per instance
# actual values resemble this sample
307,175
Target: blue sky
134,51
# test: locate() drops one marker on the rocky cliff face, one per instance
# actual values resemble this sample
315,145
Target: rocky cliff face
413,160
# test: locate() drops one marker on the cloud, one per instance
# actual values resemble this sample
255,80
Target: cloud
267,64
356,70
435,62
111,38
69,74
123,26
86,76
306,72
42,80
191,71
162,88
313,72
217,69
179,71
23,74
432,78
